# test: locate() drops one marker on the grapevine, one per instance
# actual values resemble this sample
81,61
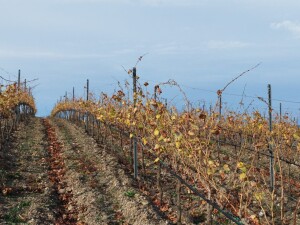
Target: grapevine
235,176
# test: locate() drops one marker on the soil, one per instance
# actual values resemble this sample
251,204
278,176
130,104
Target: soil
52,172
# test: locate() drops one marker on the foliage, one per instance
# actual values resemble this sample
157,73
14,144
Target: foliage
190,141
13,96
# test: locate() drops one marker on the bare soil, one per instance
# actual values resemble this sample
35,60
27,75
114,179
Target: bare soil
54,173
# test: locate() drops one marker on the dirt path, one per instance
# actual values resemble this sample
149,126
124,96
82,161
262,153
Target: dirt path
26,193
101,185
54,173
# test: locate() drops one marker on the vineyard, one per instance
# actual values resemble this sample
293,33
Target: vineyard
16,103
187,166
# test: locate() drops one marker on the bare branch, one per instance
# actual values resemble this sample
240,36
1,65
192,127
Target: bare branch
243,73
140,59
31,80
7,80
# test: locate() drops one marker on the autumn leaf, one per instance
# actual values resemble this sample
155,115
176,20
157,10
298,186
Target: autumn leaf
258,196
240,165
156,160
296,136
156,132
191,133
242,176
226,168
144,140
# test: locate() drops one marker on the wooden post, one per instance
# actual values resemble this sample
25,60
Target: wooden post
220,117
87,98
135,155
178,194
18,107
220,106
270,145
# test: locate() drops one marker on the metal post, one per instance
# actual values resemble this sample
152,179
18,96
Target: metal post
134,85
73,94
270,145
25,85
87,89
18,107
220,116
135,156
19,79
280,112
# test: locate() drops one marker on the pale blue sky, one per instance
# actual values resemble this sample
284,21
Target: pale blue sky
199,43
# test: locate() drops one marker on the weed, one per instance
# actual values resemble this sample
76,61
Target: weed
13,216
129,194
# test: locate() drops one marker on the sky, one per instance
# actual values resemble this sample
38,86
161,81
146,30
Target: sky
201,44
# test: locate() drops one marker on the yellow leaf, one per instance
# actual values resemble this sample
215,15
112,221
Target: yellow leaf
167,140
258,196
156,147
211,171
100,118
226,168
296,136
145,142
178,144
156,132
240,165
243,169
161,138
131,135
158,116
191,133
211,163
243,176
156,160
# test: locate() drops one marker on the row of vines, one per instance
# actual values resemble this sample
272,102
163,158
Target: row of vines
15,104
227,158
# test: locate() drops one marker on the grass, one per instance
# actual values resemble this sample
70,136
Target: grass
13,216
129,194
